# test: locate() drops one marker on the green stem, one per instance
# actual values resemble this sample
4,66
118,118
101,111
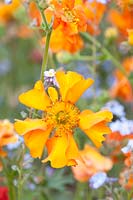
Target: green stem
82,191
94,51
11,190
130,194
45,56
48,30
19,187
83,58
105,51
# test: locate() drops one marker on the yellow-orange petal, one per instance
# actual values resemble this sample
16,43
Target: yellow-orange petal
69,83
7,10
72,151
36,97
68,4
35,140
22,127
53,94
66,81
8,138
78,89
130,36
89,119
92,163
96,132
57,146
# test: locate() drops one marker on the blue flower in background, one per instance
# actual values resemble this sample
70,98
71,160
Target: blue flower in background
100,1
99,179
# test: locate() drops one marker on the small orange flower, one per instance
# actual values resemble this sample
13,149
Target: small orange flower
126,179
61,116
71,15
7,135
94,12
67,13
61,41
122,20
7,11
91,163
122,87
125,4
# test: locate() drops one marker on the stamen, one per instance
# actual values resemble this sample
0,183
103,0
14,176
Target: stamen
63,116
70,16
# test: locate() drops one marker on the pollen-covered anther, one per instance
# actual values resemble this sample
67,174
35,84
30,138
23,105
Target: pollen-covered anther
63,116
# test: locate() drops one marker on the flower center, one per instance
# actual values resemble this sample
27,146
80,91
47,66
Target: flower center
63,116
70,15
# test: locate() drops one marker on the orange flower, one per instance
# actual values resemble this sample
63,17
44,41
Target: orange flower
69,14
7,135
94,12
24,32
122,87
125,4
61,41
69,19
91,163
122,20
7,11
60,118
34,13
126,179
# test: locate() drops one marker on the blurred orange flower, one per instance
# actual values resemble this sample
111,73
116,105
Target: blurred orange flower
122,20
61,116
94,12
69,19
91,163
125,4
126,179
68,13
61,41
7,11
122,87
7,135
34,13
24,32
